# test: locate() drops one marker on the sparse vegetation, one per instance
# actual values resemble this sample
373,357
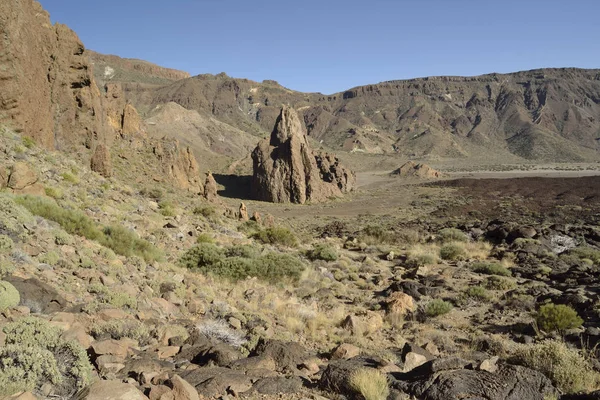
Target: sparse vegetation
118,329
491,269
437,307
9,296
568,369
452,235
121,240
453,252
478,293
371,383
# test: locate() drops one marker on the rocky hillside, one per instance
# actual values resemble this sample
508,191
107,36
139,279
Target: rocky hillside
547,114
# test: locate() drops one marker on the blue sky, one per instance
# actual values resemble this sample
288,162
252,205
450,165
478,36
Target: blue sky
332,45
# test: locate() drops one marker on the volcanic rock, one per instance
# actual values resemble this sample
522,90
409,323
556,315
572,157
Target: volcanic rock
100,162
210,187
287,170
179,164
416,170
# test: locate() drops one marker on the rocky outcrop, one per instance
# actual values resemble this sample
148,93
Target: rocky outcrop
20,178
100,161
287,170
122,117
178,164
47,89
416,170
210,187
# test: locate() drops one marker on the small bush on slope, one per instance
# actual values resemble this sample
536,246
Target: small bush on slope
276,235
452,235
322,252
35,354
371,383
557,318
9,296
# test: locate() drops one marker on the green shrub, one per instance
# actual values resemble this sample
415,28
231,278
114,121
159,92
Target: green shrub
452,235
155,194
72,221
127,243
322,252
371,383
119,329
120,300
202,255
421,260
376,234
557,318
35,354
166,209
61,238
244,250
452,252
6,244
477,292
437,307
6,268
9,296
55,193
205,211
28,142
249,227
205,238
50,258
276,235
567,368
240,262
69,177
491,269
499,283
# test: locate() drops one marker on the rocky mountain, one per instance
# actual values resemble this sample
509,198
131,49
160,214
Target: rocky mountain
545,114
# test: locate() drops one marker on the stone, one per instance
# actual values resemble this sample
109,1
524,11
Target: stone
243,212
210,187
489,365
167,351
157,391
182,390
353,325
413,360
78,334
345,351
111,347
400,303
416,170
287,355
111,390
24,180
256,217
131,121
285,168
109,364
101,162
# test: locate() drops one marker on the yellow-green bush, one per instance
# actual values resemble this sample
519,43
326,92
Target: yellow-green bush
276,235
322,252
453,252
452,235
35,354
119,329
9,296
567,368
371,383
437,307
491,269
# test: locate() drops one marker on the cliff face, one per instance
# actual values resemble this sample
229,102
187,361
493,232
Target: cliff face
47,89
48,92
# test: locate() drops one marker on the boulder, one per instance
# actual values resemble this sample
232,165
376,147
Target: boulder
448,379
287,170
111,390
345,351
287,355
400,303
131,121
336,377
38,296
22,179
182,390
416,170
100,161
243,212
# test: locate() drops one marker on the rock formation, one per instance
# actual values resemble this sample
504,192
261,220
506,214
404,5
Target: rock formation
416,170
243,212
287,170
178,164
210,187
101,162
47,89
20,178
